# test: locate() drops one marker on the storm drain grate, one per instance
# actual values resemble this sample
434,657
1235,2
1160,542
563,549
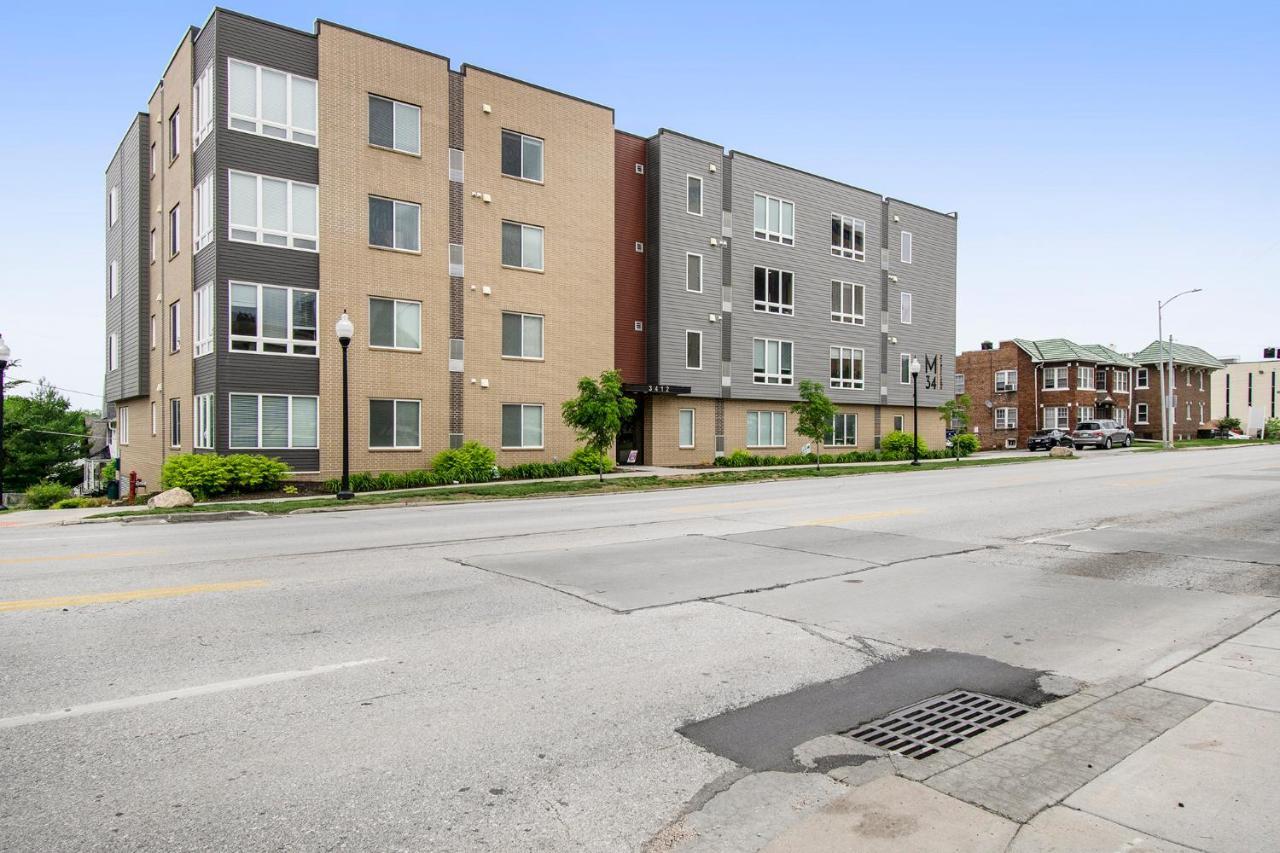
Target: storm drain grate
921,730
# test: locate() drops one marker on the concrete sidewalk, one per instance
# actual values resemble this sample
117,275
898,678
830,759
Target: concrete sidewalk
1183,762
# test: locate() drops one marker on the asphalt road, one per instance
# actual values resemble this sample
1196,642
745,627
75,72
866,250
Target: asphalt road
511,675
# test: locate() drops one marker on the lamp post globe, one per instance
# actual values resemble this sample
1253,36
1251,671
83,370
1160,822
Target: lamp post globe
5,361
345,330
915,411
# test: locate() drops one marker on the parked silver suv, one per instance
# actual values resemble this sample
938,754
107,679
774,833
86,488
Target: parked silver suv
1104,434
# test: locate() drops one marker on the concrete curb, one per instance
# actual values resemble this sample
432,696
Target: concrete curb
173,518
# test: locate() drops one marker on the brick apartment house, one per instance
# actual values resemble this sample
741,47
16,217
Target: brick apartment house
1025,385
1193,370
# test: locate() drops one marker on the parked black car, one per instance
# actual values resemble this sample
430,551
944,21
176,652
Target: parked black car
1045,439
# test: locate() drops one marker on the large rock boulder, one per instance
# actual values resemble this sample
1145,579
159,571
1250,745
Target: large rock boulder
170,499
1066,452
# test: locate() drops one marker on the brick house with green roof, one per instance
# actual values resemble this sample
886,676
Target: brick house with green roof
1192,372
1024,385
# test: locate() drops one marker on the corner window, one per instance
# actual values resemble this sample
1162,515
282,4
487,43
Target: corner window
395,323
273,422
202,422
175,325
175,423
522,426
844,431
521,156
693,272
394,224
395,125
846,367
774,291
202,214
848,303
202,107
904,309
905,247
771,361
395,424
766,429
521,246
175,228
202,319
270,319
271,103
1120,379
775,220
1084,378
693,198
693,350
686,428
848,237
521,335
273,211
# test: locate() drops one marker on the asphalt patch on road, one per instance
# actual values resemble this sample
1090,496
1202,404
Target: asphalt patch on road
763,735
872,546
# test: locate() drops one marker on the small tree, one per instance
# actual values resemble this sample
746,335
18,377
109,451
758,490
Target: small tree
1229,424
814,414
955,410
43,438
598,411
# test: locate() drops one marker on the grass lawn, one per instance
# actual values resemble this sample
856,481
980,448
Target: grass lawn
553,488
1222,442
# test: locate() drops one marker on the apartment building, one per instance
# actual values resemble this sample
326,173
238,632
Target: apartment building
1248,390
493,241
1024,385
1193,370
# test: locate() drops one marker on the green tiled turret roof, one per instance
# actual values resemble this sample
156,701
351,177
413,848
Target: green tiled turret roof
1061,349
1182,354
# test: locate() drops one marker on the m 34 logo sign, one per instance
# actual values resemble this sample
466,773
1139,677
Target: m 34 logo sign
932,373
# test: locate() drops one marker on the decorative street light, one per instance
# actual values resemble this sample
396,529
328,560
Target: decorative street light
345,330
5,361
1166,396
915,411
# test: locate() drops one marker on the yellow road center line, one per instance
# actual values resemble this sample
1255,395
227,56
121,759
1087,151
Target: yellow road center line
860,516
132,595
54,558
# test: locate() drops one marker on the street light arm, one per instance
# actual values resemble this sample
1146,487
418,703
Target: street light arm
1176,295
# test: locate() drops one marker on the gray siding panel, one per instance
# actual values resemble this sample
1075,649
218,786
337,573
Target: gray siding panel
127,243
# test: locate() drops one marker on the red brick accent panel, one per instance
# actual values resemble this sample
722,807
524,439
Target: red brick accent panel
629,265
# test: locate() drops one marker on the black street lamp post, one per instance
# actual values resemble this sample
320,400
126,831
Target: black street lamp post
345,330
4,365
915,411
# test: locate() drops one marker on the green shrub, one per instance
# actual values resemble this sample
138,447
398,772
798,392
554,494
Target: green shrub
539,470
207,475
45,495
251,473
1232,424
737,459
899,442
966,443
109,471
470,463
80,503
1272,429
587,461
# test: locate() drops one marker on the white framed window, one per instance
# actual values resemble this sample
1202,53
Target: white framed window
959,383
692,350
771,361
844,431
175,134
151,246
1142,379
202,422
905,247
1188,370
522,335
848,237
766,429
1120,381
904,368
395,424
271,103
1122,417
113,279
113,352
522,426
1084,378
155,417
774,291
394,224
693,272
1057,417
1201,374
151,329
395,323
395,125
1006,380
846,367
457,165
175,325
268,318
1056,378
1006,417
1201,413
122,424
202,319
273,211
899,423
202,107
848,303
113,205
457,259
521,156
693,195
904,308
151,162
775,219
273,422
1084,413
175,228
686,418
522,245
175,423
202,214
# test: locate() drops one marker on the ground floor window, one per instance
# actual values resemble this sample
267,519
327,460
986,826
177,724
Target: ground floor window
766,429
1122,417
899,423
175,422
395,424
1057,417
522,426
1142,415
686,427
273,421
844,431
1084,413
202,422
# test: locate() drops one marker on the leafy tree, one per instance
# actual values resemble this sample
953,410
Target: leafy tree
1232,424
956,410
43,438
814,415
598,411
1271,430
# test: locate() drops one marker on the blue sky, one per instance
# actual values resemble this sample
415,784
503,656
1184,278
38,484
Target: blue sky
1101,155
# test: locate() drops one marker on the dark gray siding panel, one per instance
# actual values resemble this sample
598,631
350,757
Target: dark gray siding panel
127,245
653,242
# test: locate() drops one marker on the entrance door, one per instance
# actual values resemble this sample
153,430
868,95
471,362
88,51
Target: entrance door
631,436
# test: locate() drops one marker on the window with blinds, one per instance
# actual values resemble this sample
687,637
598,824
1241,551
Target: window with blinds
273,211
273,422
271,103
